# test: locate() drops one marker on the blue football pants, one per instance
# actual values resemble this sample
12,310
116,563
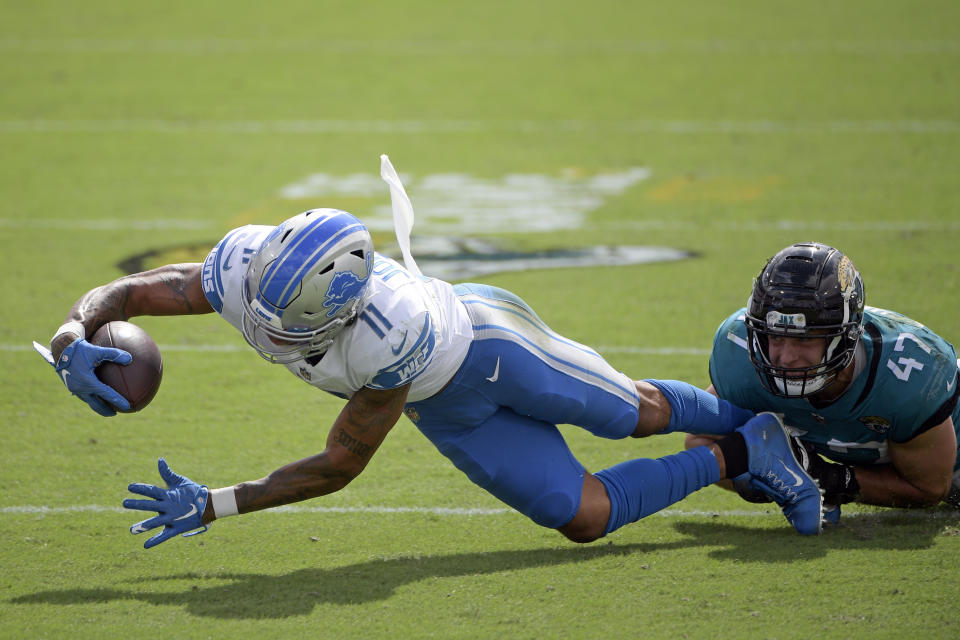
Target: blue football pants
496,419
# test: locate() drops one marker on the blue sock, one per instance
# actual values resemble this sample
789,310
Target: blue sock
693,410
637,488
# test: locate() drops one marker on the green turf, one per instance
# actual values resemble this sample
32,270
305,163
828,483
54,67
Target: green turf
128,128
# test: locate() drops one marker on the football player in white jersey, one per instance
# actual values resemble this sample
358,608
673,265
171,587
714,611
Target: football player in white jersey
472,366
866,388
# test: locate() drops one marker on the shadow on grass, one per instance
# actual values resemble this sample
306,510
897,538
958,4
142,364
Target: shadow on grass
254,596
892,530
297,593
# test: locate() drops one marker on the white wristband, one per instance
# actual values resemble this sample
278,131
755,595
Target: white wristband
224,502
70,327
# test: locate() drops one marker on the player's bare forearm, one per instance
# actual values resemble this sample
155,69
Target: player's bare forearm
170,290
356,435
301,480
919,474
882,486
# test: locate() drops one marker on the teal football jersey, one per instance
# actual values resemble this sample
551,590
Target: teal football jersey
908,384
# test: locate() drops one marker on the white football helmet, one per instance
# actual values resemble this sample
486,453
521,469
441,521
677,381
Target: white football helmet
305,283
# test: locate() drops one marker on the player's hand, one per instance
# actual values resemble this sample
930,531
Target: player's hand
179,507
837,481
825,473
743,485
76,367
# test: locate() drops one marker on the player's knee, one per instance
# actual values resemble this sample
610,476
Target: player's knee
653,414
551,509
593,514
584,532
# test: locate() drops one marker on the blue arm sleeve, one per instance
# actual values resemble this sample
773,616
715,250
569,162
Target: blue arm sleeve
693,410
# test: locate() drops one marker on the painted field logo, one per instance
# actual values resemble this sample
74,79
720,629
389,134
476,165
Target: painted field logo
452,209
454,203
465,258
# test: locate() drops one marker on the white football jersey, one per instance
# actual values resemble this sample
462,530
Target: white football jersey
408,330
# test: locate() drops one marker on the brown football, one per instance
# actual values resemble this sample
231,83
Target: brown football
138,381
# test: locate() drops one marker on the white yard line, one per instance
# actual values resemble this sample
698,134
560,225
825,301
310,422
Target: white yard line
418,127
765,226
488,47
232,348
914,514
891,226
107,224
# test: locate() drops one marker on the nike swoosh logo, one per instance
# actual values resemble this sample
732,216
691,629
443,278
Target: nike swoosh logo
193,510
799,480
397,351
496,371
226,261
64,373
950,385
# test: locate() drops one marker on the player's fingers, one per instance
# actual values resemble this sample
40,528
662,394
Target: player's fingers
172,478
166,534
146,525
98,405
149,490
108,393
112,354
143,505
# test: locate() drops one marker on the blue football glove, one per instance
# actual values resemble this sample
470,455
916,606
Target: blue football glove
76,368
179,507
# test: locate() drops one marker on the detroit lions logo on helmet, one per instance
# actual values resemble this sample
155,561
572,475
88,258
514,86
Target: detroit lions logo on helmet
344,287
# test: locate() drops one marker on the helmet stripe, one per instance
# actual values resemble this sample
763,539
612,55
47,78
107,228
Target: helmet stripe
311,262
280,279
315,225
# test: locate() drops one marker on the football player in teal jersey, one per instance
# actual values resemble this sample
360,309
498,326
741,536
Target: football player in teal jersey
871,394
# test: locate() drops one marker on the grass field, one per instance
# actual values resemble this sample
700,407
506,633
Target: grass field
154,128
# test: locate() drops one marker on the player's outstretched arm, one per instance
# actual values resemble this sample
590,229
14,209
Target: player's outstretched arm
356,434
170,290
174,289
185,506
